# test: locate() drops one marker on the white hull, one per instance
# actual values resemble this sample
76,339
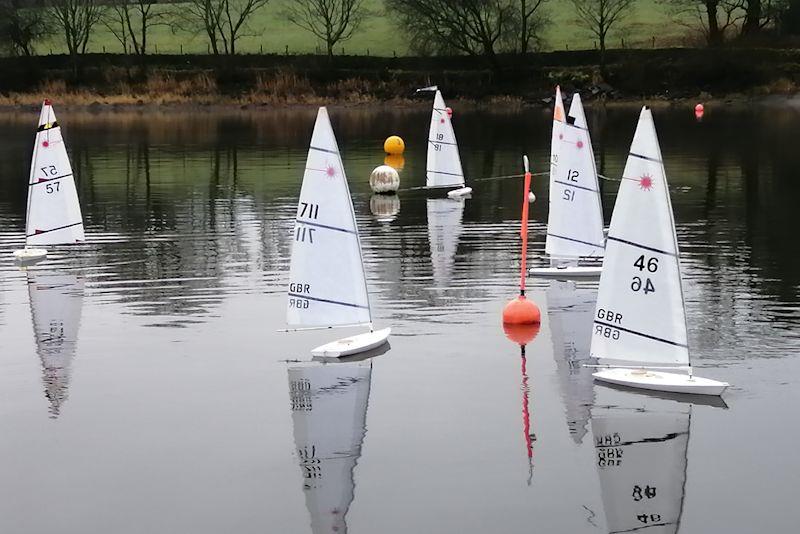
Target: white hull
29,255
458,193
661,381
353,344
567,272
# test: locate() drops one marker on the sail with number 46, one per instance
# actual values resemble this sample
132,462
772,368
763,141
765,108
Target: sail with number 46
640,315
444,162
327,282
54,213
575,220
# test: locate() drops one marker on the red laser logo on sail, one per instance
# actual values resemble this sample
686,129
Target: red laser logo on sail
646,183
45,144
330,171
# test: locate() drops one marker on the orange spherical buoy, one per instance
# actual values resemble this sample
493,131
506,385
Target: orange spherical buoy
699,108
521,311
521,334
394,145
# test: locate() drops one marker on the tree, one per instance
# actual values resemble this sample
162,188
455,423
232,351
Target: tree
333,21
131,20
223,21
714,17
76,18
527,20
472,27
20,27
599,16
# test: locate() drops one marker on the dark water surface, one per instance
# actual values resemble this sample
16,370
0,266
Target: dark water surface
144,388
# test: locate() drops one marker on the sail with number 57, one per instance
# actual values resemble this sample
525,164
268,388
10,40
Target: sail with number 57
54,214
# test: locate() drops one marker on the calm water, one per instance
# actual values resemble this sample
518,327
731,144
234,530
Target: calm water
144,388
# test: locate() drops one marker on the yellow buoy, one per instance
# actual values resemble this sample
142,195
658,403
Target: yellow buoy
394,145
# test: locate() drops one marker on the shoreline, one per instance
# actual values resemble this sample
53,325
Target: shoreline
498,105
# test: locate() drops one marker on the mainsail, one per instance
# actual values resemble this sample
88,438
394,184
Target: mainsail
56,304
640,315
54,214
329,411
641,456
444,163
575,220
327,281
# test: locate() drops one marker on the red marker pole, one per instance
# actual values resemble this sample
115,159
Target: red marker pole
521,310
524,230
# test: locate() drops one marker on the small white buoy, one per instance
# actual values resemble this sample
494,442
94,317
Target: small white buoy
531,197
384,179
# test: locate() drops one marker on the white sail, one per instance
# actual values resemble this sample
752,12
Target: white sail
570,310
56,305
327,282
54,214
444,230
329,411
640,316
641,456
575,220
444,163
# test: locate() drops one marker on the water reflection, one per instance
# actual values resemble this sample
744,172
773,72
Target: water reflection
56,301
570,311
641,447
444,231
329,411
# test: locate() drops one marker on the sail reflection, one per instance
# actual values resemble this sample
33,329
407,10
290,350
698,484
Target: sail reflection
444,231
329,411
641,445
570,310
56,304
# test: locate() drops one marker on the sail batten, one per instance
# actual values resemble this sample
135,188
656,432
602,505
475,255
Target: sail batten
323,292
53,206
640,316
575,219
443,160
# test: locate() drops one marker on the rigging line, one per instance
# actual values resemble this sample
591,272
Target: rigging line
485,179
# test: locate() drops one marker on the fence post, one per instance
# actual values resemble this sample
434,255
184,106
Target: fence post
181,48
261,47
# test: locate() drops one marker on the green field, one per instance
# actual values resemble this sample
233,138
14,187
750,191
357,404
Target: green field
381,36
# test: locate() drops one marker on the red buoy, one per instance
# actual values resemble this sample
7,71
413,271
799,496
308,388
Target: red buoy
449,112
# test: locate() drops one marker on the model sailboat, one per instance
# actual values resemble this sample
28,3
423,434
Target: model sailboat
54,215
575,221
328,286
640,320
444,162
329,412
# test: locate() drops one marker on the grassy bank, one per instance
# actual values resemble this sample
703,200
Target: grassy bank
663,74
381,36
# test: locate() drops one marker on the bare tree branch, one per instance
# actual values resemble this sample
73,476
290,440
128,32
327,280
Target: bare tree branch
333,21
